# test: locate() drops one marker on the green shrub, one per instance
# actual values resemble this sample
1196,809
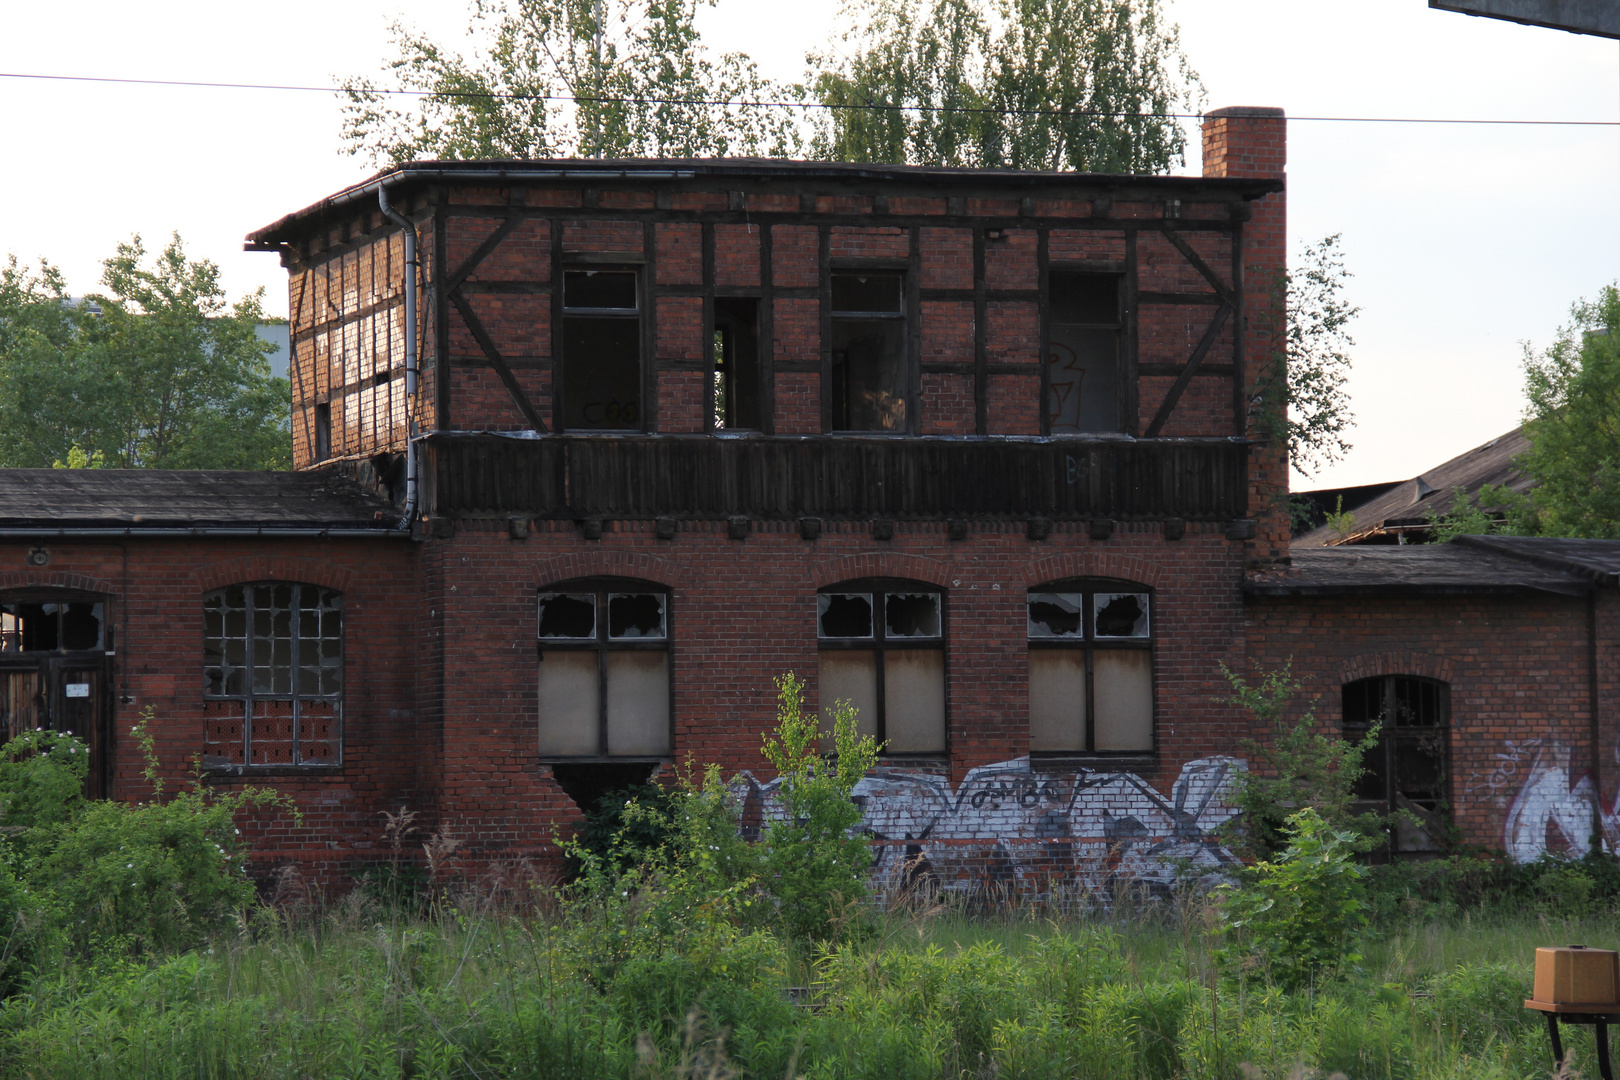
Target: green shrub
1297,917
41,778
629,839
816,862
159,875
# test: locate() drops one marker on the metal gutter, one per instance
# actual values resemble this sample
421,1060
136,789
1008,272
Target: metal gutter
138,531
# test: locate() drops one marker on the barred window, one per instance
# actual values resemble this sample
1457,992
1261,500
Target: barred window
272,676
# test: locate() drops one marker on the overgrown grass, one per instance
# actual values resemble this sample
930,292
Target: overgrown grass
471,990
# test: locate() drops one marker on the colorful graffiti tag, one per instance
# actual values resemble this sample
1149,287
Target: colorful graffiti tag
1019,826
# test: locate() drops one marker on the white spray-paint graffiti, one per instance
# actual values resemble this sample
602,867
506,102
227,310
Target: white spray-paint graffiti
1551,813
1020,826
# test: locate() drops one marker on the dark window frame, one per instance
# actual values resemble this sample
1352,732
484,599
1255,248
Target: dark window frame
880,643
905,315
249,696
644,350
723,364
1384,768
1118,326
602,645
1089,587
103,646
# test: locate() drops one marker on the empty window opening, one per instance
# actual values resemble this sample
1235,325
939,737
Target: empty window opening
272,676
1090,670
587,782
48,626
601,350
892,671
604,687
323,431
1082,360
736,365
1407,768
870,379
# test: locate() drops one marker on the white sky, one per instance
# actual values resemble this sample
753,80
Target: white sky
1465,240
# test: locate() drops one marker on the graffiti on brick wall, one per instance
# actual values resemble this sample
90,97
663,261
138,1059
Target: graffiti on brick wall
1553,813
1024,828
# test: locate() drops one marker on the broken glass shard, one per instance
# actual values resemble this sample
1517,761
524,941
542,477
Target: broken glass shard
844,615
635,615
568,615
911,615
1122,615
1055,614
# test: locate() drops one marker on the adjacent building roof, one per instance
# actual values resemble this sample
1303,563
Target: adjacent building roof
1408,505
1596,560
1463,566
36,502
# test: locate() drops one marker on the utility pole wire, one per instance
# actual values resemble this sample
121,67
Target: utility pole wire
878,106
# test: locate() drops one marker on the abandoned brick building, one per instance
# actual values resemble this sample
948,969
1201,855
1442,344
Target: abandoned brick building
589,451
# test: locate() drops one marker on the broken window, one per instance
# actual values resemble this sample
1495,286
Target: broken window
1406,769
883,651
323,431
272,676
601,350
869,370
1090,668
604,671
736,365
50,626
1082,359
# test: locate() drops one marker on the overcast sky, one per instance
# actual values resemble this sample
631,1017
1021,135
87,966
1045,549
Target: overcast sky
1465,240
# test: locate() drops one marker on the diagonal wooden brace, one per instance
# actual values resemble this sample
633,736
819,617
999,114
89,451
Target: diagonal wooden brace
1168,406
497,362
1197,260
473,261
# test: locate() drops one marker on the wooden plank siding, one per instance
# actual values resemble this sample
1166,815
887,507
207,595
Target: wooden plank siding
572,477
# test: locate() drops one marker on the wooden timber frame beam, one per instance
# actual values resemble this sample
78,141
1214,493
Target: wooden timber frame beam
1229,303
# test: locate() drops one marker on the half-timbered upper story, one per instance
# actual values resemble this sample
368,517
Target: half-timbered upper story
782,337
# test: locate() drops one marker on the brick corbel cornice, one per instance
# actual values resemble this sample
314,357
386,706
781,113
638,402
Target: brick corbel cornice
886,564
625,564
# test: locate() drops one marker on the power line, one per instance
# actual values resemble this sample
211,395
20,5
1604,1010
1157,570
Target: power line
874,106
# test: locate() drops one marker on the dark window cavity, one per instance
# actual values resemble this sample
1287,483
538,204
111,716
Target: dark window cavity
1090,669
323,431
272,676
1082,360
1406,770
736,365
601,350
604,683
50,626
870,380
891,670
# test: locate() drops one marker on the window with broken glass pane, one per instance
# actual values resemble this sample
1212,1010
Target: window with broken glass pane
51,626
1090,668
1407,768
883,651
272,676
604,671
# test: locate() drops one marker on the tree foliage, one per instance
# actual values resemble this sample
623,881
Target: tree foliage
1018,84
1305,400
161,371
557,78
1572,420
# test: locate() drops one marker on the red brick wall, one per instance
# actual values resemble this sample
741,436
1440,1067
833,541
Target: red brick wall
1516,665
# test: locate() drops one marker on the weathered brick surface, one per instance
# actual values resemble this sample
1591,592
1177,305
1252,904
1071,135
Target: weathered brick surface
736,254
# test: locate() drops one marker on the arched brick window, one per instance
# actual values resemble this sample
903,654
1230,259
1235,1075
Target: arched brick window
882,648
1090,667
272,676
604,686
1407,769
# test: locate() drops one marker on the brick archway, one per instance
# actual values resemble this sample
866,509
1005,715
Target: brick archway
272,568
1372,665
625,564
53,579
884,564
1083,564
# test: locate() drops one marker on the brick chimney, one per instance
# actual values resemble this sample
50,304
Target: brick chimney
1252,141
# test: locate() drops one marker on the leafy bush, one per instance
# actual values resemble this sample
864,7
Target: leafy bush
155,876
1297,766
615,828
41,778
1297,917
816,862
